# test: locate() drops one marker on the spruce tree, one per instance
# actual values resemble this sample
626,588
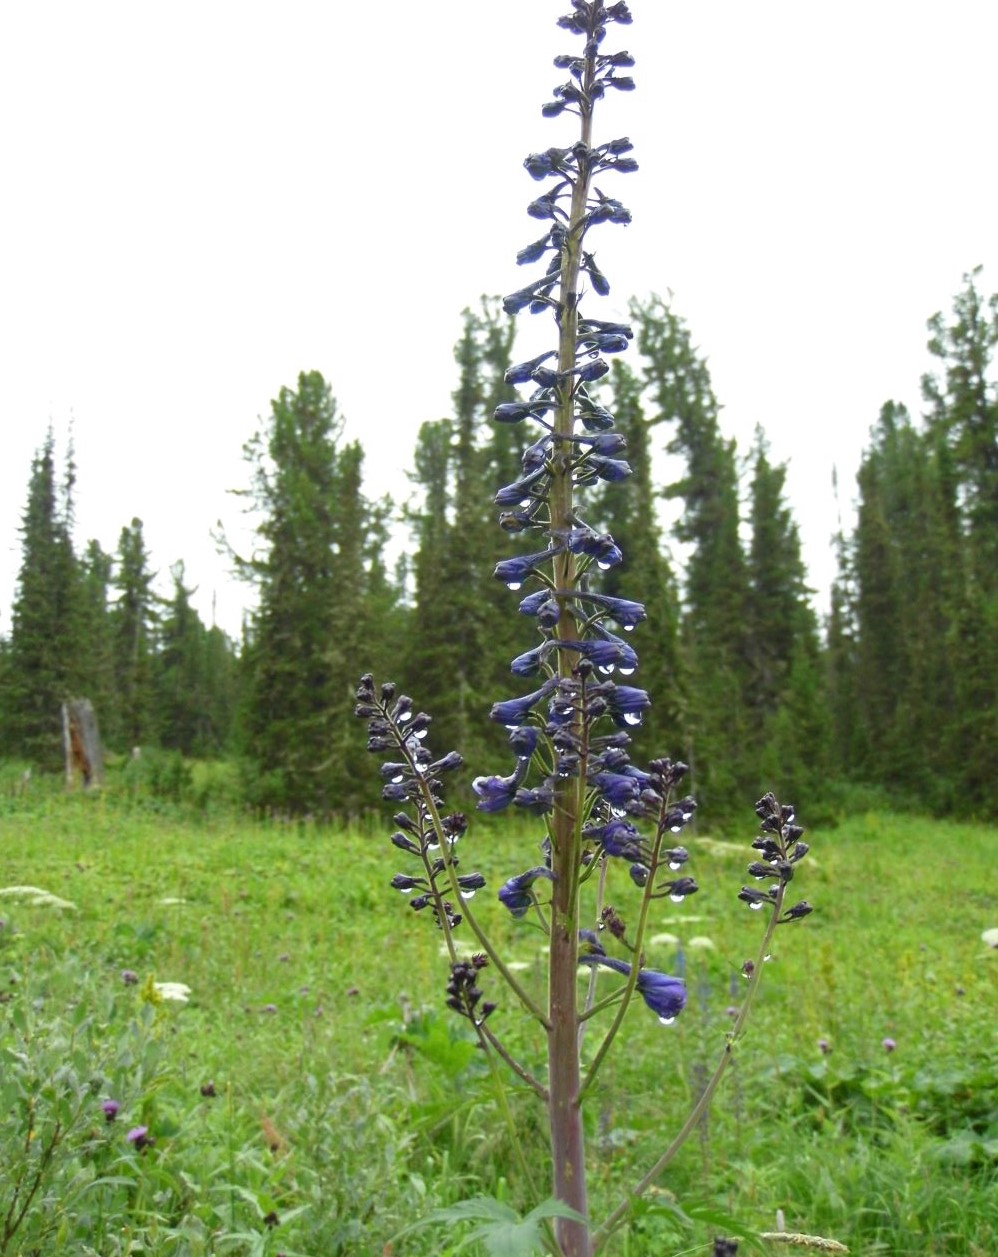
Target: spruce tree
716,591
44,663
962,422
134,616
195,677
302,646
635,527
461,638
96,569
785,690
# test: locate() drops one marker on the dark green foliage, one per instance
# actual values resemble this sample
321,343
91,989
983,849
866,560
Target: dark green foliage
313,625
45,660
195,678
134,617
715,587
912,640
632,520
96,568
785,691
462,633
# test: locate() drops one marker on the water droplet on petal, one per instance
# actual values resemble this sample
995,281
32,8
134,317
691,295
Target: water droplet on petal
433,846
406,890
628,628
421,733
666,1021
675,829
606,668
402,717
603,566
756,906
676,898
626,672
514,585
397,778
467,894
675,864
632,717
421,769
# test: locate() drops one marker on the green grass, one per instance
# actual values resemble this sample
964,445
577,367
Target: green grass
343,1104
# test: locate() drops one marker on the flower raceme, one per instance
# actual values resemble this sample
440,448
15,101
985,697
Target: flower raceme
605,822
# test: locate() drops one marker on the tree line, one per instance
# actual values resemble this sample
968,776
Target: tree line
894,689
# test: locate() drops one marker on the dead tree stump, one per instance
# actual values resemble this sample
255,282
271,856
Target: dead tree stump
82,745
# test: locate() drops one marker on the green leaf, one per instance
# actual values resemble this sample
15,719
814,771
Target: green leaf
718,1218
502,1231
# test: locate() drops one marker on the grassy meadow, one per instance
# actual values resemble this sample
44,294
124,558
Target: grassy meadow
312,1095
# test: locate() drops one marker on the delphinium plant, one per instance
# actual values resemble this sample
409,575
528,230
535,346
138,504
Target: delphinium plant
607,821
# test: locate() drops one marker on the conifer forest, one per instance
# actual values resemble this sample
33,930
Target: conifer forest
243,1012
889,684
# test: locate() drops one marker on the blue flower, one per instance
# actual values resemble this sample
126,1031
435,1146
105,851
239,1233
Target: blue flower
516,711
531,253
521,372
535,456
664,995
495,793
618,837
605,444
519,491
517,894
513,572
618,790
524,740
628,704
538,801
625,612
607,468
531,661
514,412
608,652
599,546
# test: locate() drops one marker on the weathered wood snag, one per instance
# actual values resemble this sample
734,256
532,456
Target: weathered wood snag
82,745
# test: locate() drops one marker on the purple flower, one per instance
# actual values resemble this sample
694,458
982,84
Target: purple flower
515,711
607,468
628,704
664,995
524,740
517,894
129,977
531,661
623,610
618,837
538,801
515,412
617,788
513,572
888,1045
520,490
495,793
824,1047
606,654
140,1137
110,1109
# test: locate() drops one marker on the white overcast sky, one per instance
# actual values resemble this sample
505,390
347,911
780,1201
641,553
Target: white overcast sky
202,199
